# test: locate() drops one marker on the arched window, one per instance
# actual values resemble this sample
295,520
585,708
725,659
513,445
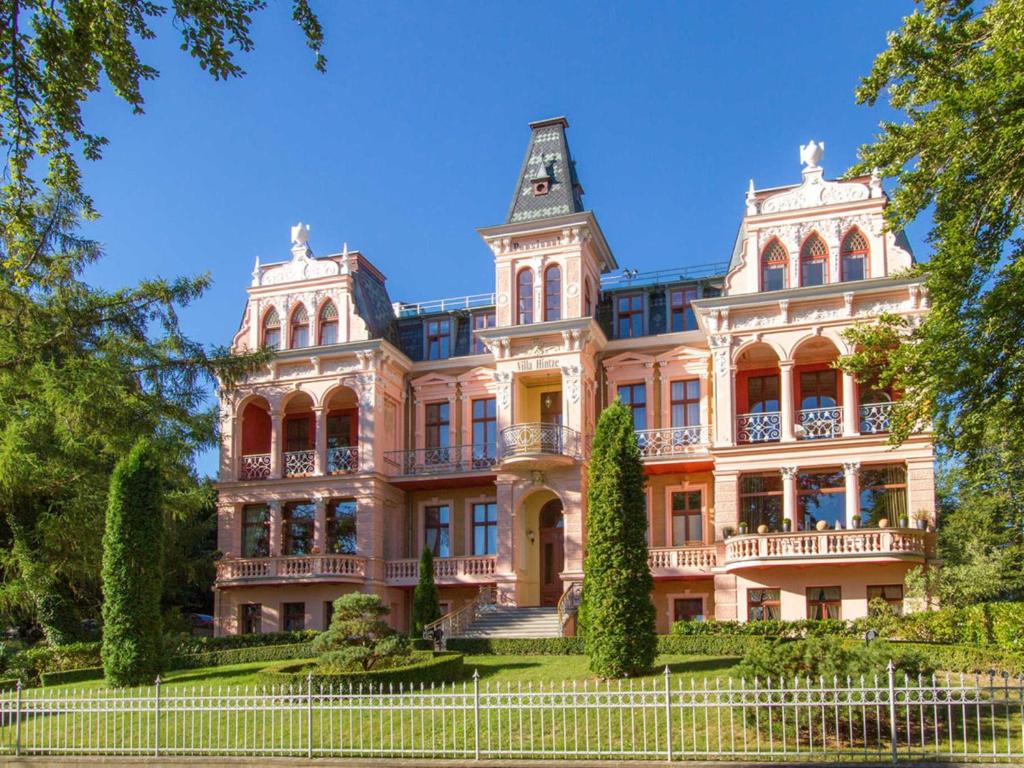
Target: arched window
855,252
814,261
774,265
553,293
272,329
300,328
328,323
525,297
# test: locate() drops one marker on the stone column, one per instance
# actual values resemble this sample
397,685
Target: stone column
320,525
851,473
786,415
724,390
276,528
789,495
276,444
320,441
367,436
851,411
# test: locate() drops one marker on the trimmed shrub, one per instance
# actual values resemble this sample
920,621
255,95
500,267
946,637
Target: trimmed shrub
618,614
425,667
71,676
199,644
133,570
8,685
241,656
536,646
765,628
826,657
359,639
425,607
707,645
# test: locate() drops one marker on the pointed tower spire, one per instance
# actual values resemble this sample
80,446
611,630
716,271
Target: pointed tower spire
547,186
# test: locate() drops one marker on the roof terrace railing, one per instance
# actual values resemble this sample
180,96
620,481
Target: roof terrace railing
476,301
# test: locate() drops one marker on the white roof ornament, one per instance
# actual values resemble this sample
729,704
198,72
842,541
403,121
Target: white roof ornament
751,199
811,153
300,234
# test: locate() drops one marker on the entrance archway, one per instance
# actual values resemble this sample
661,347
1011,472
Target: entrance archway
552,551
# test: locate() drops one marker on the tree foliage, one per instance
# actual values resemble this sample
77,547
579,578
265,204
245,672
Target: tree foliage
617,582
133,570
425,608
955,72
359,638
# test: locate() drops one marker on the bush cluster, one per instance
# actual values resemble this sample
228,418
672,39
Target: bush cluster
818,657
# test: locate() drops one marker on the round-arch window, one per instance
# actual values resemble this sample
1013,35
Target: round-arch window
551,515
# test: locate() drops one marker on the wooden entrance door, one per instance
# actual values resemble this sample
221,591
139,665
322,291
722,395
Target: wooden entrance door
552,552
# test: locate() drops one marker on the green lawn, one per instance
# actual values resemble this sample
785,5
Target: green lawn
493,670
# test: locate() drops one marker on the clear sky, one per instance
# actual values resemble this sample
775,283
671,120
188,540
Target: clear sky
415,135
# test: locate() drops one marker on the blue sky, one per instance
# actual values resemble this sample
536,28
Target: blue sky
415,135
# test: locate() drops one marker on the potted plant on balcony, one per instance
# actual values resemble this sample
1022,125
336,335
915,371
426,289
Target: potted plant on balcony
855,521
921,519
787,525
743,528
727,532
904,521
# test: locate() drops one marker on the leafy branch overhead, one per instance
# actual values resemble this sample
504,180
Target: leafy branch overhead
55,53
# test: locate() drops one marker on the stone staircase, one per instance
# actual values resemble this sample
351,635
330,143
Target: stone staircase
509,622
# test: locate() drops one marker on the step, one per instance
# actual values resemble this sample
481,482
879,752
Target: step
508,622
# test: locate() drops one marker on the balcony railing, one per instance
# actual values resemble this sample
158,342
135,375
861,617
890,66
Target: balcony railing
758,427
291,567
438,461
446,569
671,441
875,418
532,439
299,463
820,423
342,459
856,543
672,559
256,466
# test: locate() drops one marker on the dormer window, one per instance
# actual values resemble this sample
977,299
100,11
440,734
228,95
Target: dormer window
814,261
300,328
774,265
542,180
438,339
855,252
272,329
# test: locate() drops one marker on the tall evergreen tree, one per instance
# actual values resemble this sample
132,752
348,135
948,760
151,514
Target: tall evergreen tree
133,563
425,608
617,582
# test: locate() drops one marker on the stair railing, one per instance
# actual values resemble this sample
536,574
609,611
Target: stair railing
454,623
569,604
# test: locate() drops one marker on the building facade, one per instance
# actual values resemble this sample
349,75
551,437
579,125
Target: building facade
463,425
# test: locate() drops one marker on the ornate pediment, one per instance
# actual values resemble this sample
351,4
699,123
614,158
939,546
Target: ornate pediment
813,192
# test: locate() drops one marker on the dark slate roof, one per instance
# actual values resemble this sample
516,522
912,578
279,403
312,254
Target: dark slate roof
547,156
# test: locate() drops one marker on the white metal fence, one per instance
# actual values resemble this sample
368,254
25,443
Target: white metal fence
867,719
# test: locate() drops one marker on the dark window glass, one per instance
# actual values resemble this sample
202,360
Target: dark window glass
485,430
855,255
298,519
824,603
436,529
687,518
272,330
256,530
328,323
525,297
341,527
883,493
340,432
296,434
764,604
763,393
686,403
761,500
818,389
630,316
300,328
437,423
688,609
821,495
813,261
683,317
553,293
481,320
774,264
294,617
635,396
252,618
438,339
485,528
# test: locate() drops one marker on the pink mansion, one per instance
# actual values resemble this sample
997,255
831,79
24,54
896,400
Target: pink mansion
463,425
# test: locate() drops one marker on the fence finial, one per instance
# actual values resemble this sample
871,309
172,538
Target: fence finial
476,674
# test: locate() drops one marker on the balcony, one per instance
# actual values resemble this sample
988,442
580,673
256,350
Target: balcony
875,418
298,463
873,544
477,569
759,427
540,443
256,466
672,442
681,561
820,423
298,568
342,460
442,461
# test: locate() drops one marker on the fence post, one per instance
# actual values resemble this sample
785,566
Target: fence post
156,748
891,668
476,714
668,714
309,716
17,721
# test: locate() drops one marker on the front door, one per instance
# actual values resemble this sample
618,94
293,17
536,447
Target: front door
552,553
551,413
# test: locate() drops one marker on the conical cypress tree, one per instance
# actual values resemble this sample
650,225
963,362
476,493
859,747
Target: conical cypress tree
425,608
617,583
133,563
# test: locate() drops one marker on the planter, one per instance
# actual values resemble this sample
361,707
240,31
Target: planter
762,528
904,522
821,525
743,529
855,521
883,522
787,525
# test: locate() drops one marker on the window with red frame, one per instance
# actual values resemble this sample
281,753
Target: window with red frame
764,604
814,261
683,317
272,330
890,594
635,396
439,336
685,397
300,328
630,311
687,518
774,265
524,283
824,603
855,251
553,293
328,330
481,321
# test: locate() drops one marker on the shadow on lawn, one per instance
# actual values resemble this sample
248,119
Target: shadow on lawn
709,664
211,676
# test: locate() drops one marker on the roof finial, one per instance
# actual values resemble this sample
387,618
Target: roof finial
811,153
751,199
300,234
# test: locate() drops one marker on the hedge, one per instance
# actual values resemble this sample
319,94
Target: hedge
969,659
428,667
8,685
707,645
255,640
71,676
241,656
539,646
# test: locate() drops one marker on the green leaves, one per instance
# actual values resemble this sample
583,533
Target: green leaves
425,607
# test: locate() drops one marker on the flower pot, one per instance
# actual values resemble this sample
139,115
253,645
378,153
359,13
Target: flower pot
904,522
787,525
922,524
855,522
743,529
821,525
762,528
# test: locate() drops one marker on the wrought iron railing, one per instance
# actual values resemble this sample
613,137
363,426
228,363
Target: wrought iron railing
671,441
758,427
875,418
455,623
453,458
569,603
299,463
538,438
820,423
342,459
256,466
